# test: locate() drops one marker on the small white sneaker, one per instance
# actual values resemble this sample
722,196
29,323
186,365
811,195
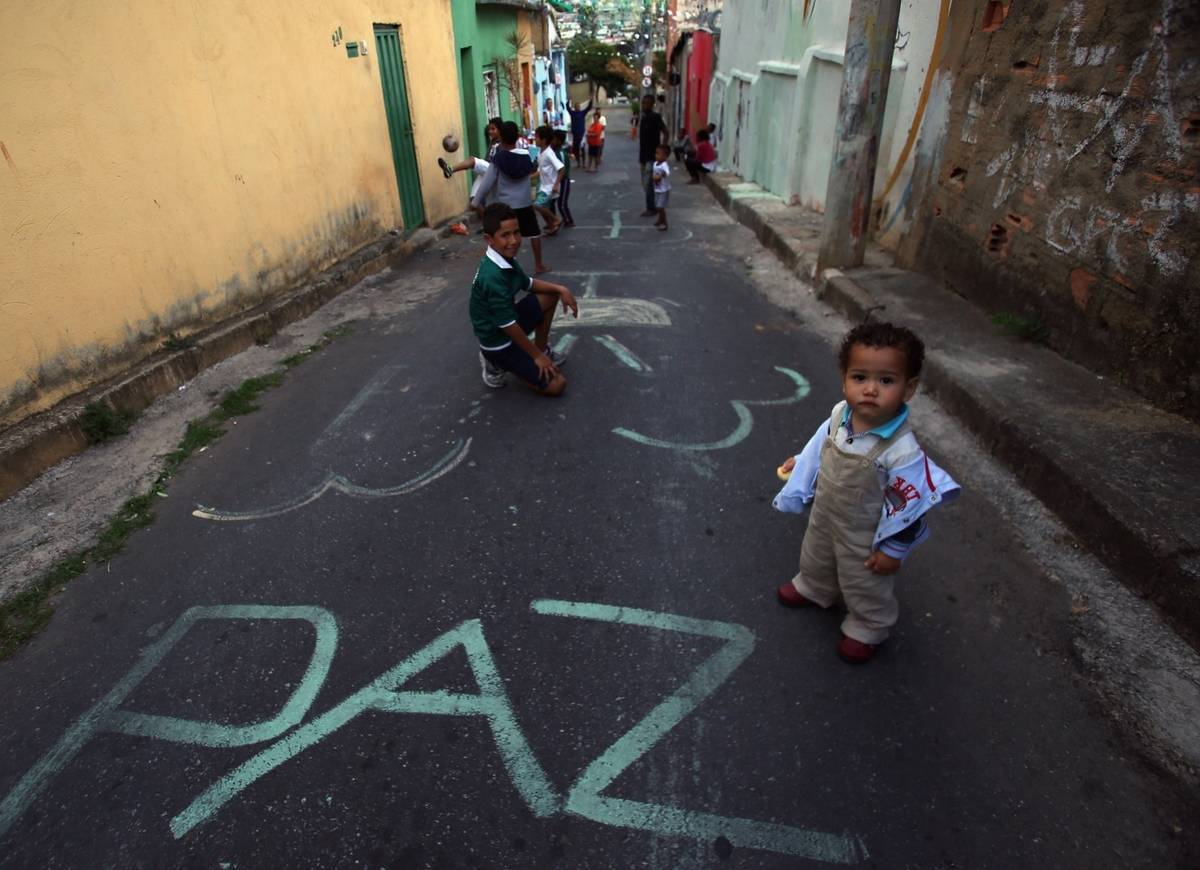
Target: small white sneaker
493,375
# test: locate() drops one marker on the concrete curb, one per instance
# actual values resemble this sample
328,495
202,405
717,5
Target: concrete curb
45,439
1153,563
791,254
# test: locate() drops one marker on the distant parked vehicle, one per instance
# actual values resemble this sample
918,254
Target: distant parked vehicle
621,100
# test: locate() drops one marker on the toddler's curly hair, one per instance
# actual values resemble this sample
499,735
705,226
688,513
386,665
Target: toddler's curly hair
875,334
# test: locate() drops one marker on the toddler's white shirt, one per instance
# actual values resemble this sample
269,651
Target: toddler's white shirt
911,483
663,184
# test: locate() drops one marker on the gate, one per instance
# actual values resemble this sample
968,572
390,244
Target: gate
395,102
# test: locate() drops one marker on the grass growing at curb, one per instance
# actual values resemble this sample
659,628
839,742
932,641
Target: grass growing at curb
24,615
328,336
100,421
241,401
174,343
1026,328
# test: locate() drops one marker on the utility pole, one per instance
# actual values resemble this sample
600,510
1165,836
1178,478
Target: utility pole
866,69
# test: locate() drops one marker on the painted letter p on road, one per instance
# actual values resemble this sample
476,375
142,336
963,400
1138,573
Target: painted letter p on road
105,716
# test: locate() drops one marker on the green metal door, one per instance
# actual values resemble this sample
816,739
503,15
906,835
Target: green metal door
470,102
395,102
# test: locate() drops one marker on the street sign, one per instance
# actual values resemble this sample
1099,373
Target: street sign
647,70
647,83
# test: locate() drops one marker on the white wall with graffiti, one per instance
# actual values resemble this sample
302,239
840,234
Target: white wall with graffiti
776,90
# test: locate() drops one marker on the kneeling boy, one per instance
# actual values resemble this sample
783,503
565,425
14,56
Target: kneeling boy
502,325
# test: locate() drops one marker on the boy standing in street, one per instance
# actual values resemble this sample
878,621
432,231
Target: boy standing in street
595,141
551,116
662,184
652,132
509,174
502,325
564,180
870,485
578,117
549,169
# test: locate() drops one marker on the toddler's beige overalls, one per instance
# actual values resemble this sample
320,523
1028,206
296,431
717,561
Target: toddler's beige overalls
841,531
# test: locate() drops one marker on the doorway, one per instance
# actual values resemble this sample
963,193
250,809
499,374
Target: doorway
466,76
491,95
395,102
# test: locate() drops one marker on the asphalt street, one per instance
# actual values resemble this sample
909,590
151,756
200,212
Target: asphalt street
397,619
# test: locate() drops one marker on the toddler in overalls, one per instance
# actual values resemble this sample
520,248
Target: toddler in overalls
870,485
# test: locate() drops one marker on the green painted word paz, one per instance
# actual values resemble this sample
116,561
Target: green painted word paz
585,798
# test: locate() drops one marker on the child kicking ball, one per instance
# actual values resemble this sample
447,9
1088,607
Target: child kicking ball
869,484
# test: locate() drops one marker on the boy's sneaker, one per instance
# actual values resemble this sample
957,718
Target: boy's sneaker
493,375
445,167
855,651
555,357
789,597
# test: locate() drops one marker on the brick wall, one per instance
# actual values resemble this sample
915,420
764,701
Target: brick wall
1065,190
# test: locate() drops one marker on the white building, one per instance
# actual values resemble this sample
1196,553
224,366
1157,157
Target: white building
777,85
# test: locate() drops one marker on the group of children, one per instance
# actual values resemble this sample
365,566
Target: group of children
501,322
862,477
502,195
506,173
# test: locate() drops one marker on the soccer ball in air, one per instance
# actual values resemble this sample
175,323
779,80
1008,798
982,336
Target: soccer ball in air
450,142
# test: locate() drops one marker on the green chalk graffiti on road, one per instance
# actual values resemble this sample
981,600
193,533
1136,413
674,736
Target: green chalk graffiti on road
585,798
745,420
383,694
104,715
624,354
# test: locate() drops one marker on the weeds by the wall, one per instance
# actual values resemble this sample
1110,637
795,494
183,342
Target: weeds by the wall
174,343
242,400
101,422
23,615
328,336
1024,328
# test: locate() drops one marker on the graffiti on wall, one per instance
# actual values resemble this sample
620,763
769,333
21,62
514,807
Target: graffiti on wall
1073,225
1145,111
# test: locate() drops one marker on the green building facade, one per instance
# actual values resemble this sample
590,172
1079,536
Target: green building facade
481,37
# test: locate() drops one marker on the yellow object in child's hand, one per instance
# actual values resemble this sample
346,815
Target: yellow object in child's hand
783,473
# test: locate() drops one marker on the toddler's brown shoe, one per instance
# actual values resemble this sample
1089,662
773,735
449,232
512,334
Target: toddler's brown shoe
789,597
855,651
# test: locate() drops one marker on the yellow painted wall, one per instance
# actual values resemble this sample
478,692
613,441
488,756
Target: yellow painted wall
166,163
525,27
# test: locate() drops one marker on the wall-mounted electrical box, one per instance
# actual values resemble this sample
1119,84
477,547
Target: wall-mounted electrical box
351,49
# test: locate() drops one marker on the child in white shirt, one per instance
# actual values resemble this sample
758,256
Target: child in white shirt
662,184
549,169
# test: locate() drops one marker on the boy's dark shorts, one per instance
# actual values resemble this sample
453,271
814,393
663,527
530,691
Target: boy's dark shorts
513,358
527,222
